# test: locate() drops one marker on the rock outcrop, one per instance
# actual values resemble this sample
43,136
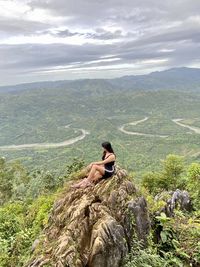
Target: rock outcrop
93,227
173,199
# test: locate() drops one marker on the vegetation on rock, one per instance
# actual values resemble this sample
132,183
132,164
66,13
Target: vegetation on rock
119,221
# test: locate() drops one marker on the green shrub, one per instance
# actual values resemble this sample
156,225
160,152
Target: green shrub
193,183
169,178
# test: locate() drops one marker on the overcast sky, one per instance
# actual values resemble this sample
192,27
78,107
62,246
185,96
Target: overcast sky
71,39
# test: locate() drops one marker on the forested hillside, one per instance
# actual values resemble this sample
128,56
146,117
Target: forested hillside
91,111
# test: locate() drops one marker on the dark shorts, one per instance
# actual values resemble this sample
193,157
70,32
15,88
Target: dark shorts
107,174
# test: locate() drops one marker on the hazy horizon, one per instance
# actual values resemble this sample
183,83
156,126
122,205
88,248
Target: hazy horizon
93,78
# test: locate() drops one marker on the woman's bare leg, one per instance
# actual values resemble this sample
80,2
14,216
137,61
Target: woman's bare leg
95,168
95,172
88,167
84,171
97,176
85,181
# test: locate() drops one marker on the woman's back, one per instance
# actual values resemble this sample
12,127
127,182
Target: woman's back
108,164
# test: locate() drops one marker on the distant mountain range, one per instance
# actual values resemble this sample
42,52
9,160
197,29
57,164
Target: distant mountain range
175,78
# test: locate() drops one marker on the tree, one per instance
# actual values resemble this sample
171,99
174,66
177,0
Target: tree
173,167
6,182
193,184
169,178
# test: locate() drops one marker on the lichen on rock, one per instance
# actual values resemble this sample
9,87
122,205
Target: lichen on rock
93,227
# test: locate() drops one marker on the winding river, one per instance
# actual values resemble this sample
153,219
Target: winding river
192,128
121,128
48,145
84,133
177,121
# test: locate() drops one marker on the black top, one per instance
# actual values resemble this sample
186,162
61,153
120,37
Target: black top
108,165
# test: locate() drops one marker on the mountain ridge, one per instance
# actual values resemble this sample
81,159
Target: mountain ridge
174,78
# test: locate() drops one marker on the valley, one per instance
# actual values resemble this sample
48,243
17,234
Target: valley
142,125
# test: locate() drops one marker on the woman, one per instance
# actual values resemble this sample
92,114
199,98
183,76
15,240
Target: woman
100,169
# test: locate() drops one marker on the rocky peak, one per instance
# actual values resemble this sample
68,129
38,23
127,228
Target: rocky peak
93,227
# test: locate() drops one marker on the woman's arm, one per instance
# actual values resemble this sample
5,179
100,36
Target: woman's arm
111,158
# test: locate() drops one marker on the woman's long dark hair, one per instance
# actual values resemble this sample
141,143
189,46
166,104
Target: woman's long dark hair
108,147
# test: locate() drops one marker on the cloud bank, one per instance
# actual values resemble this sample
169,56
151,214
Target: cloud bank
50,40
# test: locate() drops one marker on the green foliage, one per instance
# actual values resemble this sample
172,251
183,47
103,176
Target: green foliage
153,181
173,167
20,224
144,258
150,256
13,177
14,236
193,183
169,178
75,166
37,213
173,242
177,238
16,183
187,229
21,221
166,235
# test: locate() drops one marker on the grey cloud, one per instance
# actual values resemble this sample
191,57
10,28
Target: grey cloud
135,10
102,34
41,57
33,57
38,56
144,18
66,33
99,34
31,60
14,27
142,30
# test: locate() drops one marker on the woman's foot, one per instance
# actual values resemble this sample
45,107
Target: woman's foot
86,183
77,185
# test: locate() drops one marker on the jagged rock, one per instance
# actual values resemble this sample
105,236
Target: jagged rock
175,198
93,227
139,209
